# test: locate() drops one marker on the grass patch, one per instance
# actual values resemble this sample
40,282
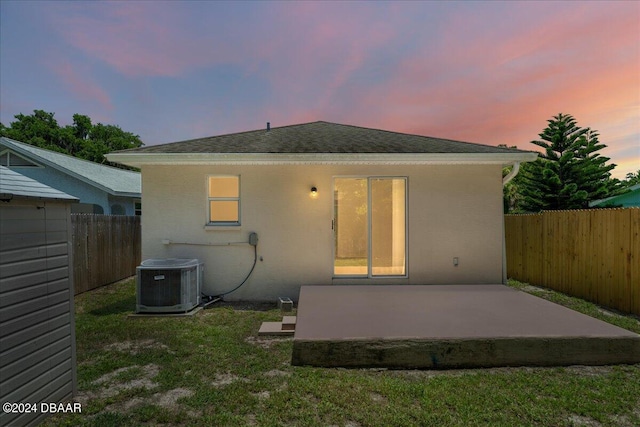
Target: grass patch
629,322
212,369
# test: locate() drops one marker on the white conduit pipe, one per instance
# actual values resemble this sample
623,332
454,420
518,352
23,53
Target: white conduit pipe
505,181
512,174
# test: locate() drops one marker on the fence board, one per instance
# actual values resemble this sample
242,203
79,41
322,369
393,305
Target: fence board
634,260
106,248
591,254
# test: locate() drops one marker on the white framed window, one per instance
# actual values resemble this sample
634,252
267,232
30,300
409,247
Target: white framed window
223,199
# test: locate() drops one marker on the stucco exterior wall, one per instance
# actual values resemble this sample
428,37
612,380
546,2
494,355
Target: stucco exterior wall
453,211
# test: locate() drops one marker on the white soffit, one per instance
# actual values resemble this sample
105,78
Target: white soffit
139,159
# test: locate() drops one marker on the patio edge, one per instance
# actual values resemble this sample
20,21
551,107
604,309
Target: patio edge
466,353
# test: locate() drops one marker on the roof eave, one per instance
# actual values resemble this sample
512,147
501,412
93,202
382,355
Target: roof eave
9,196
53,165
140,159
126,194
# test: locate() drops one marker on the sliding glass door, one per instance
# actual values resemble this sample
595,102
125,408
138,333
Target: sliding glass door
370,226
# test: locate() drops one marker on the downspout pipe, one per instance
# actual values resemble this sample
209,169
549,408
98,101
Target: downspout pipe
505,181
512,174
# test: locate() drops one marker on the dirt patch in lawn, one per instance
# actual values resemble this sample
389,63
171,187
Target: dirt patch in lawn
577,420
277,373
168,400
266,342
127,378
221,380
531,288
377,398
135,377
135,347
263,395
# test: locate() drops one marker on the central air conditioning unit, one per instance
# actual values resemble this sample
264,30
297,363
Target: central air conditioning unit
168,285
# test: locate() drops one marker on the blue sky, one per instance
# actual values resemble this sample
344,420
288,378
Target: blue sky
487,72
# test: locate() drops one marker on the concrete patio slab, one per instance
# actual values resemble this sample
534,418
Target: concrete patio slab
449,326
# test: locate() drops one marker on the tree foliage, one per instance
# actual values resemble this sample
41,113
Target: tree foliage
81,139
632,179
568,174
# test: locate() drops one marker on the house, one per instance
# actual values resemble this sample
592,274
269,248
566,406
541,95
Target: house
101,189
37,328
627,200
330,203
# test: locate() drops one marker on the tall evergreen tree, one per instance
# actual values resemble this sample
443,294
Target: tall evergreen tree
569,172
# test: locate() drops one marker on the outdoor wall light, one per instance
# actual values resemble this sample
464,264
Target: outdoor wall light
314,193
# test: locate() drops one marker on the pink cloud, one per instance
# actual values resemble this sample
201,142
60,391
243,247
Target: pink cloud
134,38
484,89
78,79
316,51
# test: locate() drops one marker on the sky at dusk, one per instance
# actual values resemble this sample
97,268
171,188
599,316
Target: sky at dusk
486,72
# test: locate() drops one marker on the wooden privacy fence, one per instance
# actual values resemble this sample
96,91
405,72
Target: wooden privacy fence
591,254
106,248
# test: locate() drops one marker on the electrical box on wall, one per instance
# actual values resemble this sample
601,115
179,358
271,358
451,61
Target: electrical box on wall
253,239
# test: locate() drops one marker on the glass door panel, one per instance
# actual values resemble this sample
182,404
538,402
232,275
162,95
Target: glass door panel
370,227
351,227
388,227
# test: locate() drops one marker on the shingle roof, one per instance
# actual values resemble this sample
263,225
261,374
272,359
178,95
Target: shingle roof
13,184
320,137
112,180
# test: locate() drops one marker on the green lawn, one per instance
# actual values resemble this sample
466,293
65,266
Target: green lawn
213,370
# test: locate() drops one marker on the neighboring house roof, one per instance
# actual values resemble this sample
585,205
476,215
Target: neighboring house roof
317,141
117,182
13,184
629,199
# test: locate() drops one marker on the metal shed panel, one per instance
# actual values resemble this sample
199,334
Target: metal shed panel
32,358
32,278
55,389
37,370
42,264
28,341
37,328
39,332
9,256
25,307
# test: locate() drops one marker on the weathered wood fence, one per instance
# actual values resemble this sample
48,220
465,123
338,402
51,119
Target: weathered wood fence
591,254
106,248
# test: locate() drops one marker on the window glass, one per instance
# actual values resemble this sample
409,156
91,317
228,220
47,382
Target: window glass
223,211
224,200
223,186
